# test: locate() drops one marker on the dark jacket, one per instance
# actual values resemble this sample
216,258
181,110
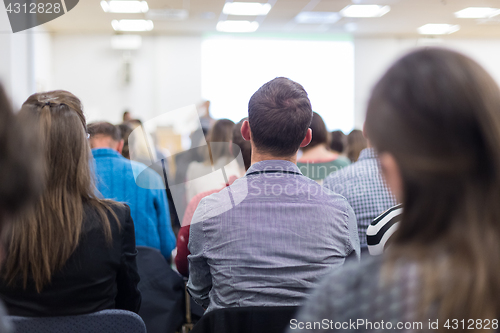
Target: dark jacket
97,276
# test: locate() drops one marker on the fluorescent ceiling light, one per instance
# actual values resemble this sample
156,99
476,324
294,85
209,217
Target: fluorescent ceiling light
477,12
365,11
246,8
132,25
438,29
167,14
126,42
129,6
237,26
317,17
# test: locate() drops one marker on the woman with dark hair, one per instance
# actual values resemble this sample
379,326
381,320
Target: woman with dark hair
317,160
356,142
217,155
21,178
338,141
434,118
71,252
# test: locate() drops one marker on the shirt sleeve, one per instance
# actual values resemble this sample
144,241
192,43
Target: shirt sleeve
128,295
352,225
200,280
167,237
181,259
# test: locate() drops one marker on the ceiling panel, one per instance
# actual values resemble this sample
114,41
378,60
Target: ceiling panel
402,21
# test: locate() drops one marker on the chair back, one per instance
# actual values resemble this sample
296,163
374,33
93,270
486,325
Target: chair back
162,290
262,319
106,321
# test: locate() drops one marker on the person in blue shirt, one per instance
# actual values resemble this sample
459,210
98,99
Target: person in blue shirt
115,180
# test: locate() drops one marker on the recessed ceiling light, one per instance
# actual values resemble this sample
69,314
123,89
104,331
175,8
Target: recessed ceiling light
317,17
237,26
477,12
365,11
438,29
132,25
129,6
246,8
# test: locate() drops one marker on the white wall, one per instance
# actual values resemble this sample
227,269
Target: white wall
166,71
374,56
25,61
165,75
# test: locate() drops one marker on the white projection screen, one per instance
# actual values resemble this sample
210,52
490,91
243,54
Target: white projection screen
234,67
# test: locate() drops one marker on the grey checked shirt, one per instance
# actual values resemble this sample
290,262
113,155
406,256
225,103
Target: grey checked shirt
363,185
357,298
267,239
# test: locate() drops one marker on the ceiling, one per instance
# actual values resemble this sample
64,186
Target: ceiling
402,21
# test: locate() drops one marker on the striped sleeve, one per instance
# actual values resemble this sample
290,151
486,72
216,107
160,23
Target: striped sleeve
382,228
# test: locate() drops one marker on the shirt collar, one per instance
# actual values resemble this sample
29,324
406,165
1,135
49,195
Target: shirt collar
273,165
105,152
367,153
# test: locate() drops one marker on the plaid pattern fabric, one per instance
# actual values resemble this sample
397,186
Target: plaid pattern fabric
355,299
363,186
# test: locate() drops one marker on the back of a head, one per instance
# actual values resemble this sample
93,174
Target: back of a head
58,121
219,134
245,146
279,114
125,131
21,166
338,141
356,142
104,131
61,125
437,112
320,135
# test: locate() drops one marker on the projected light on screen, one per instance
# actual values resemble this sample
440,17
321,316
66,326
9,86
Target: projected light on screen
233,68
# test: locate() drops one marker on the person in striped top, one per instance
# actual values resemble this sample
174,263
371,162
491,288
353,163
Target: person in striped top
381,229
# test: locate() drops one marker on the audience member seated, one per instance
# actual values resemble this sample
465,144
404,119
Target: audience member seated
182,161
181,259
434,118
356,142
125,130
267,239
70,253
380,231
218,155
317,161
21,178
115,180
364,187
338,142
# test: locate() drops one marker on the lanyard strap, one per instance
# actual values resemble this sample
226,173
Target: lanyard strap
272,171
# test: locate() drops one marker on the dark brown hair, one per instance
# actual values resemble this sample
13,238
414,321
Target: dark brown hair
222,131
338,141
320,135
356,142
279,114
42,239
21,166
437,112
125,131
106,129
245,146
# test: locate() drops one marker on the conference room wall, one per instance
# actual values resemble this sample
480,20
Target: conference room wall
373,56
166,71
